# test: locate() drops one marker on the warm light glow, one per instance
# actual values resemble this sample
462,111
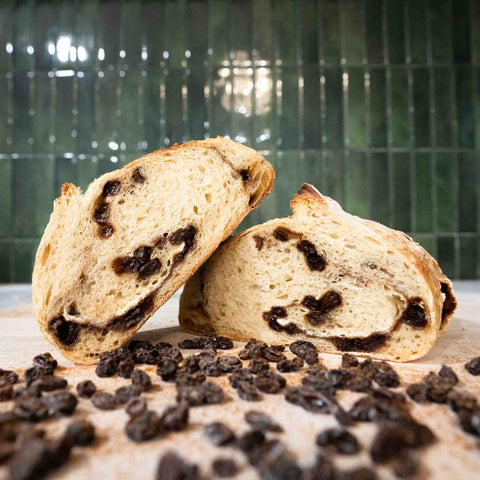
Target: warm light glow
63,48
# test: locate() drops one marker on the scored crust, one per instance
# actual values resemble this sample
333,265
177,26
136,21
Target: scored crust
112,256
325,276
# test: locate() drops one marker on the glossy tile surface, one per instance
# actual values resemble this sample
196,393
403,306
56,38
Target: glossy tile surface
376,102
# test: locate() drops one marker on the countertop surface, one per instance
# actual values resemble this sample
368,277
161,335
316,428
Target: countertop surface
454,456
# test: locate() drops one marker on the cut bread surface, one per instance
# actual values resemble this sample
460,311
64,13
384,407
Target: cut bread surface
110,257
322,275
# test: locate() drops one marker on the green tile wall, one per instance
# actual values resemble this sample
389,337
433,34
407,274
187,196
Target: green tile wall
376,102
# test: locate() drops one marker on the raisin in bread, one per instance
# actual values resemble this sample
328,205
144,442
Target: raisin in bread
109,258
322,275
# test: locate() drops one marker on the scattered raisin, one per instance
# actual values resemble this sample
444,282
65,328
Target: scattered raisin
218,434
473,366
86,389
125,368
338,440
103,401
32,409
286,365
175,418
349,361
62,402
224,467
143,427
141,379
136,406
247,391
262,421
106,367
125,393
448,373
173,467
167,370
81,433
305,350
45,360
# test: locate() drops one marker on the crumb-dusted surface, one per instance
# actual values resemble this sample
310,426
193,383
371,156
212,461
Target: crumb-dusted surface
112,455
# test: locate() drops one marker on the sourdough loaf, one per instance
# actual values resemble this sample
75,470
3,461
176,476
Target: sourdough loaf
110,257
322,275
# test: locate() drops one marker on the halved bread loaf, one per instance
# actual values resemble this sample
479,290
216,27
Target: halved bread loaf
109,258
322,275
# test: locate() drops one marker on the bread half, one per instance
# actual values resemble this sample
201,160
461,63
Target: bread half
322,275
112,256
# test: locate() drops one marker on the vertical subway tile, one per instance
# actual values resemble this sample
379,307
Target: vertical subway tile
421,102
23,257
86,132
44,35
5,262
174,106
240,21
65,172
378,188
352,31
333,121
196,42
221,102
65,48
174,33
309,34
42,120
6,86
262,25
264,108
219,35
400,123
153,84
446,255
64,118
85,18
378,108
468,257
288,108
23,40
242,105
356,184
153,15
22,120
285,16
446,172
424,216
128,127
108,33
330,32
197,103
441,30
428,242
34,182
468,179
7,187
107,163
6,35
105,109
356,122
475,29
374,30
464,101
130,34
461,16
443,107
311,107
401,192
396,31
334,175
417,23
86,171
